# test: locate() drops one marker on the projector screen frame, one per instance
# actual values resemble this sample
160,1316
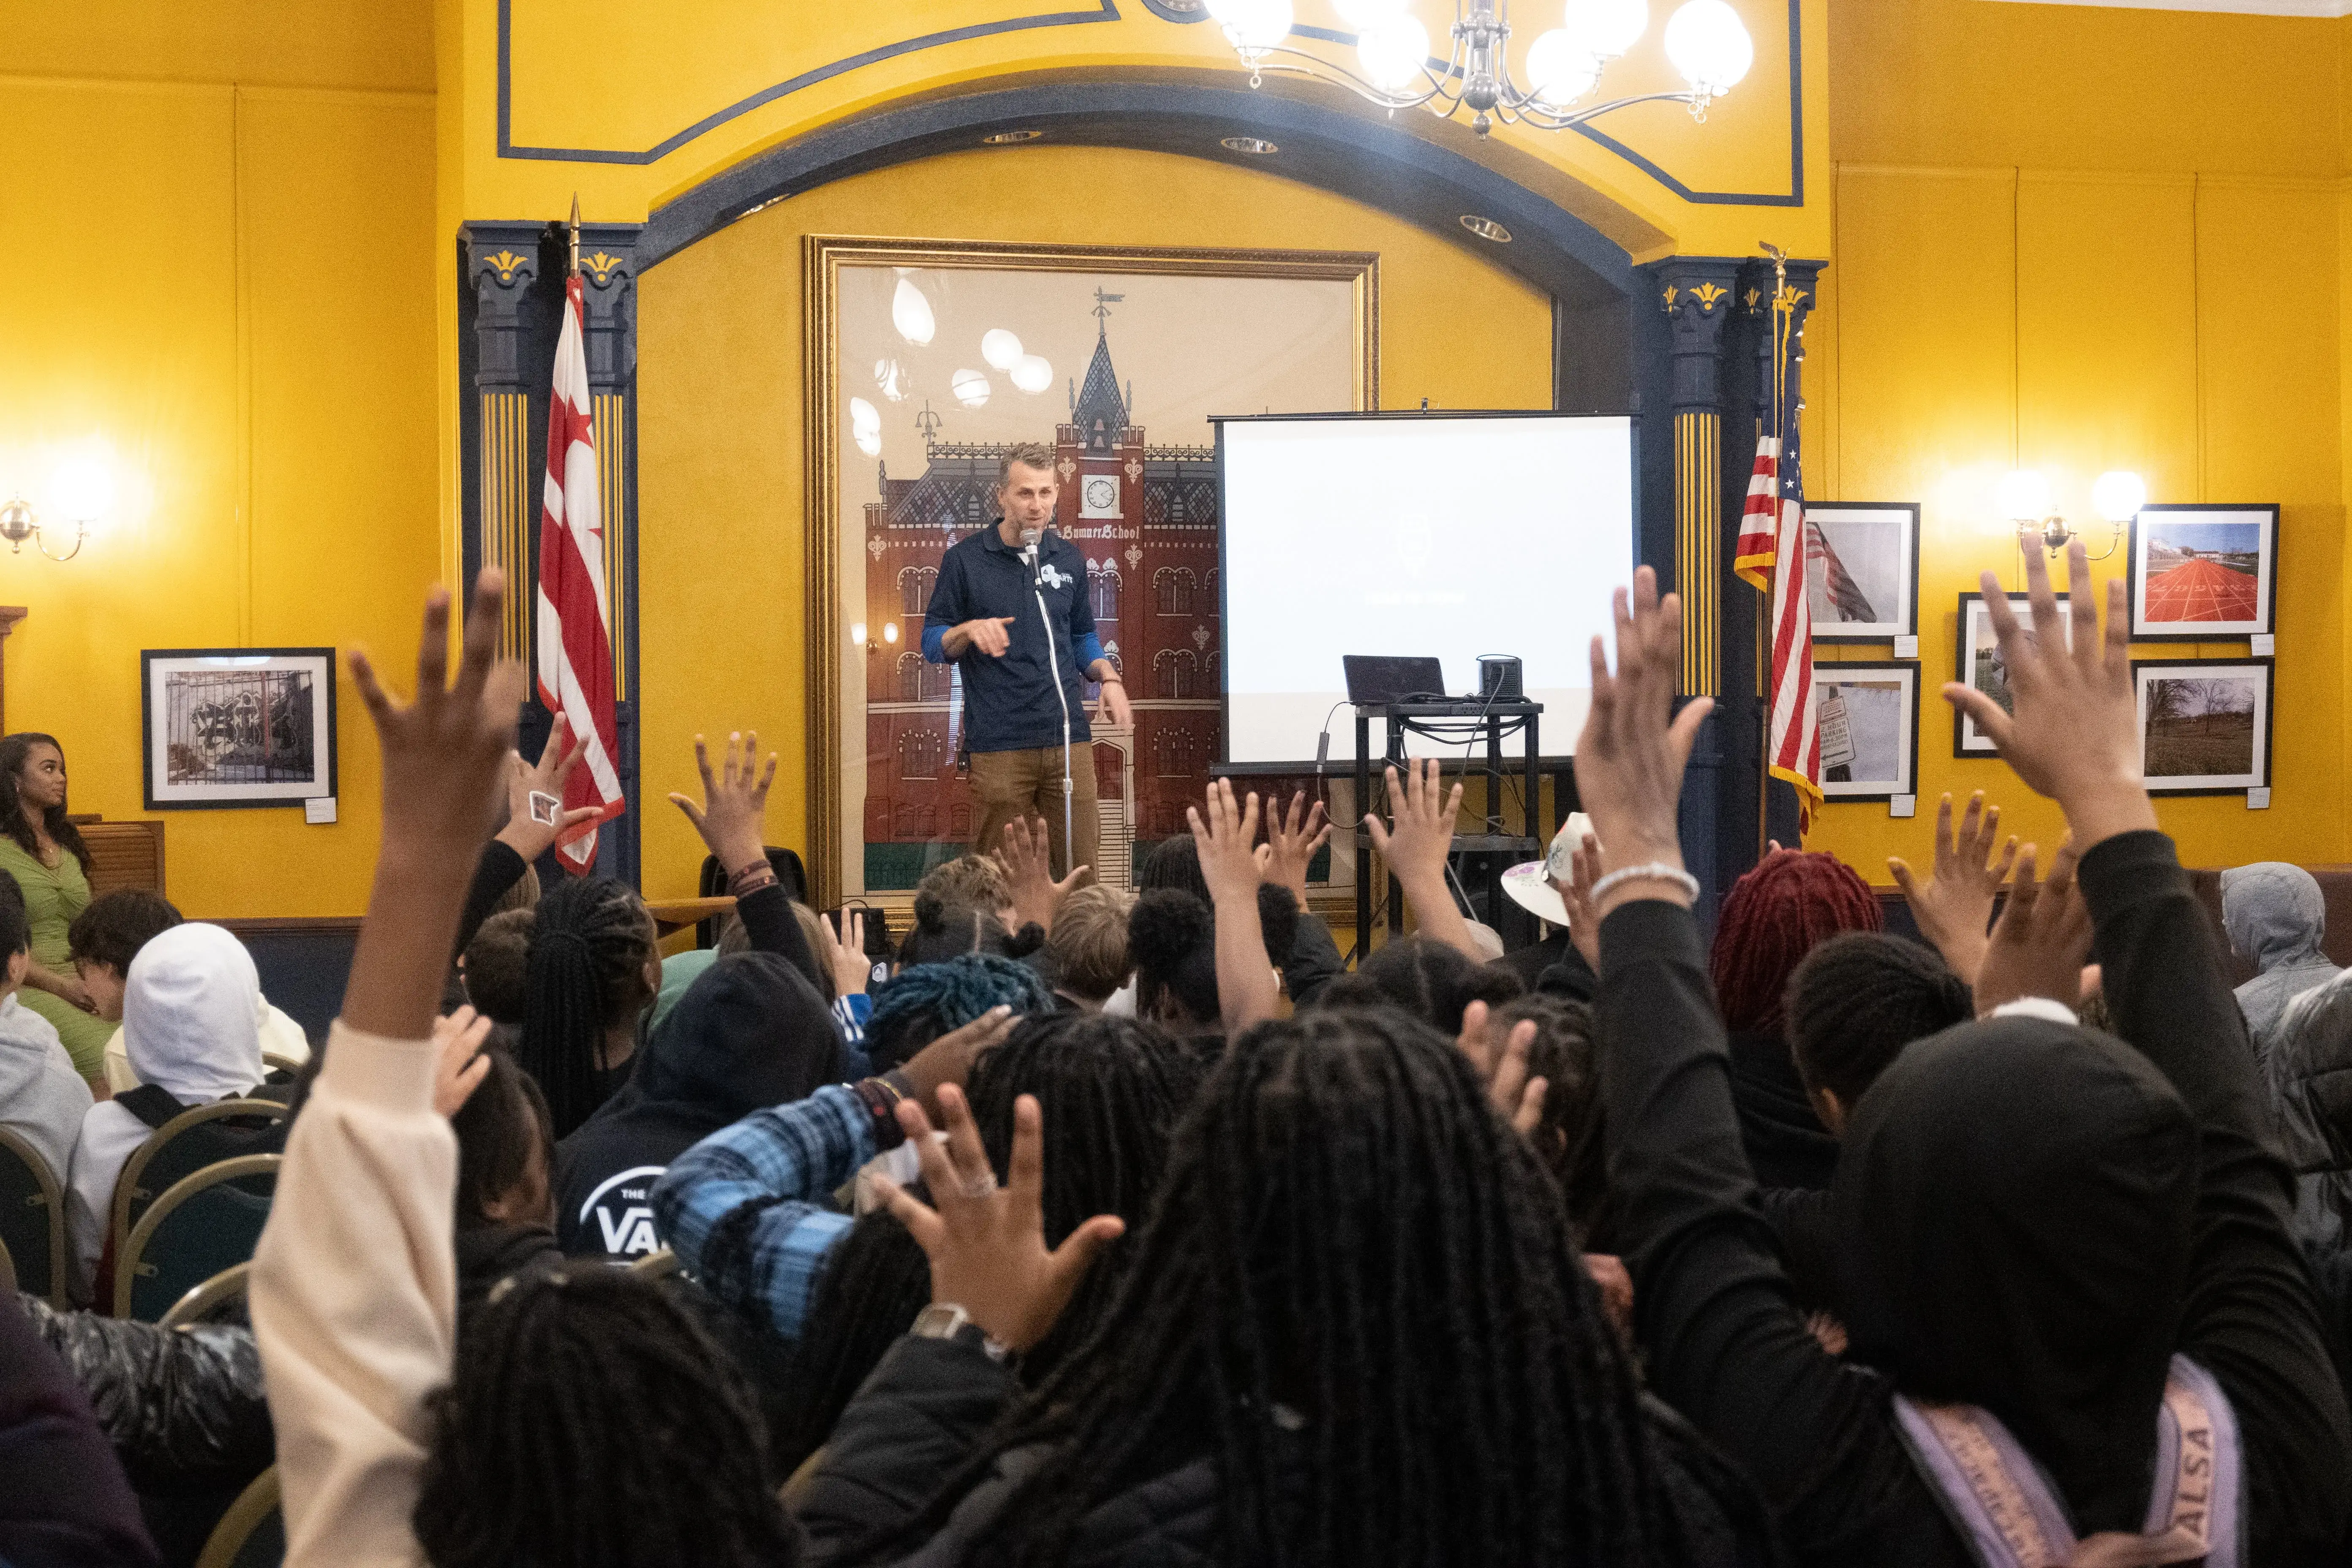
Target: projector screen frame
1548,759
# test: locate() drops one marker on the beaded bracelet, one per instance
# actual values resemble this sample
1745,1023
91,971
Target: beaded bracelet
1653,871
751,878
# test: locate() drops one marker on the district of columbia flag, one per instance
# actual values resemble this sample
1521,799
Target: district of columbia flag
575,643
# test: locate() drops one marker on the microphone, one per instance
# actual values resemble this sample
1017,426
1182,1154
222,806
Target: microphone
1029,551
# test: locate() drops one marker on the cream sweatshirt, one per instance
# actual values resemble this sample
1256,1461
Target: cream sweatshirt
354,1300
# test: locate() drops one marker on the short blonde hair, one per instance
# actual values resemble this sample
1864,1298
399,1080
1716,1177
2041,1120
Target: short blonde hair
1029,455
1087,952
970,879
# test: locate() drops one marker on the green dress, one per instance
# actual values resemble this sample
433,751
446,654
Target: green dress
53,897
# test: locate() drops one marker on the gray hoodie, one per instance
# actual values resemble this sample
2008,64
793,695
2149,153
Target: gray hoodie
42,1098
2310,1075
2275,916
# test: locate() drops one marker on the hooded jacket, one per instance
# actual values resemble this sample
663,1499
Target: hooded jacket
190,1007
42,1098
751,1032
2275,916
2310,1071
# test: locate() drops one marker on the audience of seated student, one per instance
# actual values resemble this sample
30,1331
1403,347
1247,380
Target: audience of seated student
592,969
505,1193
971,882
496,967
42,1100
107,935
2277,918
1085,957
43,850
1569,1139
1431,981
942,930
2041,1230
1854,1003
928,1000
2308,1069
190,1024
1770,919
751,1033
1307,956
1563,960
1172,936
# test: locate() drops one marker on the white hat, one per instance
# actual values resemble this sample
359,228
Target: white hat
1530,883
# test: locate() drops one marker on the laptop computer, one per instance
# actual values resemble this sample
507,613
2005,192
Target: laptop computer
1377,679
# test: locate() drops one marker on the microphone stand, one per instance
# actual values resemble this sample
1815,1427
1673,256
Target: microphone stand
1053,656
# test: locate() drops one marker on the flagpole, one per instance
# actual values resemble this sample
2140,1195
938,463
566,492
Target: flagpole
1771,608
572,230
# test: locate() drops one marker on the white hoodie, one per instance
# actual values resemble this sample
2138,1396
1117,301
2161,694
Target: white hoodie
189,1006
42,1098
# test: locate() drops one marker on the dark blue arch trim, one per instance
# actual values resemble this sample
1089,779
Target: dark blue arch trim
1107,11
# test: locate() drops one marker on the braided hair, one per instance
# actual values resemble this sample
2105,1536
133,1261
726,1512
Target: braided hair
593,1424
1358,1299
15,750
1771,918
590,943
1569,1139
1858,999
919,1005
873,1286
1430,979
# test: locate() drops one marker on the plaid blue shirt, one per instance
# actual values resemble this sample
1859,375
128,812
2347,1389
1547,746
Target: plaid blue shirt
745,1208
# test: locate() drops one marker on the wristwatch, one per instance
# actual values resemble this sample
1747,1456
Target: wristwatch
946,1320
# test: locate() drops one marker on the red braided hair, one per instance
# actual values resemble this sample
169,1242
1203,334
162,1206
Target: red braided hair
1772,916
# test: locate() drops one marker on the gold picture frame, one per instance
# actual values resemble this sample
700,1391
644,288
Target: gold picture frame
825,259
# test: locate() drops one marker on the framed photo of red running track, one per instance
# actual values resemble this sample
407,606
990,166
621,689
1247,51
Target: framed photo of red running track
925,360
2203,574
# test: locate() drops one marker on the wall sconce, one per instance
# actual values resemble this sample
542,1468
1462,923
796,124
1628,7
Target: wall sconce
81,490
2024,500
890,631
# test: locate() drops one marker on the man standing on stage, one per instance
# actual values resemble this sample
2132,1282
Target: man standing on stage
1010,610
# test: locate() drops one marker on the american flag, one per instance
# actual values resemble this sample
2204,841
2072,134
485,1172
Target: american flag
575,646
1773,535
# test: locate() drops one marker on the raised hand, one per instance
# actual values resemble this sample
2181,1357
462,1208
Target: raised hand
948,1060
1517,1098
987,1243
734,802
460,1064
1629,759
845,953
524,832
1415,850
2075,735
1294,837
2044,938
1583,915
1026,854
1954,905
1226,835
441,760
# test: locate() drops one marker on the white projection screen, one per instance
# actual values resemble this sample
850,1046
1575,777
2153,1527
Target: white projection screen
1441,535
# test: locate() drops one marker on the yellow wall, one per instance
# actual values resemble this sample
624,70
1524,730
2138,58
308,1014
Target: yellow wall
232,288
721,543
2133,264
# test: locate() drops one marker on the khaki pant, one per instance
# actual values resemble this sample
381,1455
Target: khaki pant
1029,784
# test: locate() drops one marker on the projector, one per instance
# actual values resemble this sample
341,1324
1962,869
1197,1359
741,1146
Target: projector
1498,678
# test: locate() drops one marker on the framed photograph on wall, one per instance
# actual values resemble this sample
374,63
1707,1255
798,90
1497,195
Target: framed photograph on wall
236,726
1980,665
1869,715
1862,570
2204,725
2199,573
926,360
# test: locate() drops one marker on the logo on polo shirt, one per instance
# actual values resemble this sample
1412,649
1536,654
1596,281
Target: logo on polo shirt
1056,578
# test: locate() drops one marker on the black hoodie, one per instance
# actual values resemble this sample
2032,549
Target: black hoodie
750,1033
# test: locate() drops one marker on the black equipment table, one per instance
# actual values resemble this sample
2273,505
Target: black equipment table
1492,717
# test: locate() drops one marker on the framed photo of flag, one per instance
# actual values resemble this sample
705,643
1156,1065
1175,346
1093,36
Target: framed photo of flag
1869,718
2203,574
1862,570
1982,666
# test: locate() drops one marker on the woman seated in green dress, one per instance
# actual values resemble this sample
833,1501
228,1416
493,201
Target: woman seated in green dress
46,855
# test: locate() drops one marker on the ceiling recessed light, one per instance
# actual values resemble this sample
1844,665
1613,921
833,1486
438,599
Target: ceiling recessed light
1256,144
1007,137
1486,228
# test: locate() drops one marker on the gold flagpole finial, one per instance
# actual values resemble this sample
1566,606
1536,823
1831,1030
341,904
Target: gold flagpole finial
573,228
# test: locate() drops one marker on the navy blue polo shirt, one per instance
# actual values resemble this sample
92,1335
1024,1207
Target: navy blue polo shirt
1009,703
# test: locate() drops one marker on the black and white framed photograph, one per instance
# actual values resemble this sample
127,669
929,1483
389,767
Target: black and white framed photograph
1868,712
2202,573
238,726
1862,570
2204,725
1980,665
